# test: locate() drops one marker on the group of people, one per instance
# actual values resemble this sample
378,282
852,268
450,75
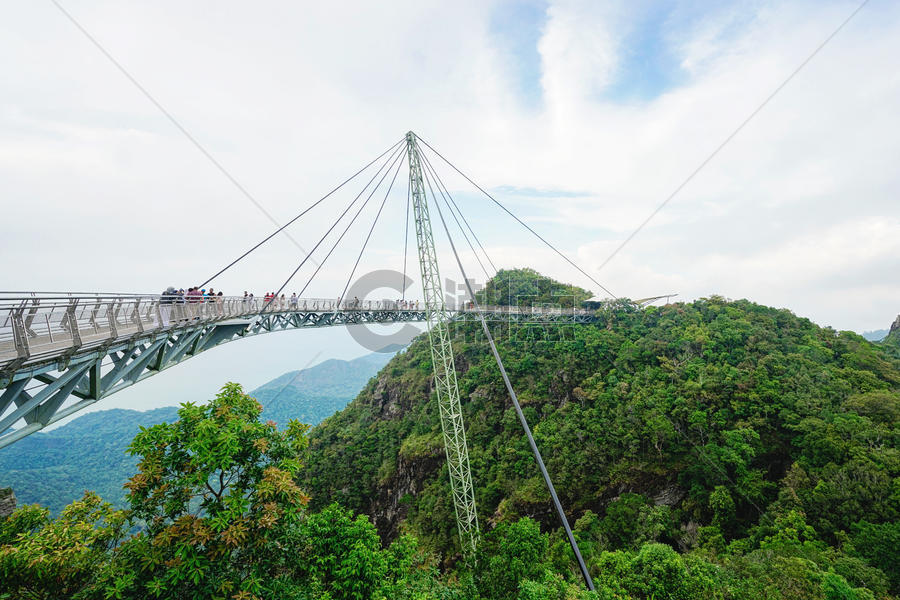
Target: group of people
193,295
407,304
179,304
271,299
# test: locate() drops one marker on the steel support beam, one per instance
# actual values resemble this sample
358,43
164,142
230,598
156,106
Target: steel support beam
438,318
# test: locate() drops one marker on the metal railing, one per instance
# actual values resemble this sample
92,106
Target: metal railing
40,326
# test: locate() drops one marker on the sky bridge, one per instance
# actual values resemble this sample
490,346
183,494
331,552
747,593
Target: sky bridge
60,353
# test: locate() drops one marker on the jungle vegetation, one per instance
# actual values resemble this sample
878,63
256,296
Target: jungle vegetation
89,453
714,449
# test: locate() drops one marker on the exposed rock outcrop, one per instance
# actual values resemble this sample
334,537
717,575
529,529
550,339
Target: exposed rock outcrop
419,457
7,502
391,504
892,339
669,496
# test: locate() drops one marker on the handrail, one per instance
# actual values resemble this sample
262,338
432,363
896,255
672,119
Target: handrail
40,328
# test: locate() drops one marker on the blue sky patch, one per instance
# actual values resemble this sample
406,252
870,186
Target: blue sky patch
517,27
647,66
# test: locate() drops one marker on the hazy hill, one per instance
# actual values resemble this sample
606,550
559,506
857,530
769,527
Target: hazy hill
313,394
55,468
875,336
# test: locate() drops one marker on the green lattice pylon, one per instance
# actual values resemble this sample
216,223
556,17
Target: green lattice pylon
445,384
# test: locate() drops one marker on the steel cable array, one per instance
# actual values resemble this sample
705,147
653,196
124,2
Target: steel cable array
312,206
371,229
397,155
440,184
515,400
520,221
350,224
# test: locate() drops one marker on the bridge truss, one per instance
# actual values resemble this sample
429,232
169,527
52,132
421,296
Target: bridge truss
59,355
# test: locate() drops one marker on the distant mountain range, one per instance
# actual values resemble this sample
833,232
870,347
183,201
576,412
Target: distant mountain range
313,394
88,453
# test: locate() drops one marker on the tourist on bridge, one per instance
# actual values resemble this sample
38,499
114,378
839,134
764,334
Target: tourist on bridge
294,300
179,305
167,299
192,297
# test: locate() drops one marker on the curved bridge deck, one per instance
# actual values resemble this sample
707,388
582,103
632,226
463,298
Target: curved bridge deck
59,354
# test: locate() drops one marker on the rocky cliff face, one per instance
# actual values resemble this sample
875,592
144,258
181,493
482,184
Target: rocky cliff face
892,339
7,502
417,459
390,505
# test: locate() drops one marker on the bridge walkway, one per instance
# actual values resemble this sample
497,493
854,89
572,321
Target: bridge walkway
59,354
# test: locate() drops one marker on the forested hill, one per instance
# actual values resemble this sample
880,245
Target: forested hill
89,453
317,392
724,429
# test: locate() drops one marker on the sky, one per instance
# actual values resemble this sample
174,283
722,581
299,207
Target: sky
581,117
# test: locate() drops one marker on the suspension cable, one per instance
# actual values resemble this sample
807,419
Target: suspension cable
371,229
520,221
397,153
512,394
343,233
316,203
441,184
458,224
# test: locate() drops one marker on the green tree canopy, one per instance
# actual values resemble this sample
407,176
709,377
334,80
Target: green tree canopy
526,287
49,558
216,490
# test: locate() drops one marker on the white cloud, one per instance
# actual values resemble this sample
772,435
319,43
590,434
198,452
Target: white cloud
102,192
